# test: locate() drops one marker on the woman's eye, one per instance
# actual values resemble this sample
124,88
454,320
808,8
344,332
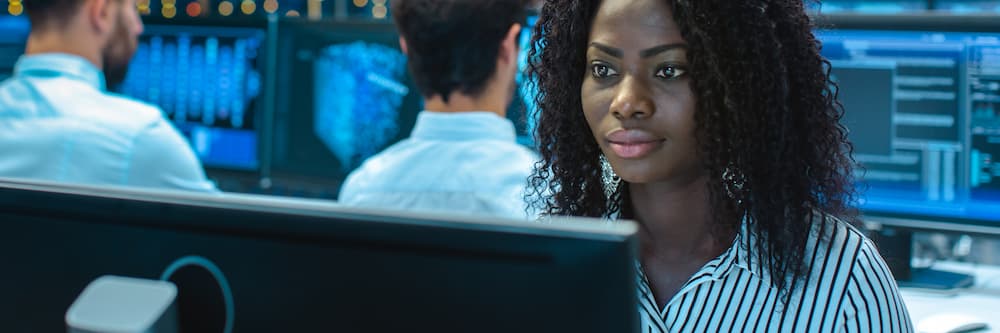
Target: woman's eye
670,72
601,71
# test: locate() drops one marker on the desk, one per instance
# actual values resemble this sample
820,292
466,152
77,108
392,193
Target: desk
981,300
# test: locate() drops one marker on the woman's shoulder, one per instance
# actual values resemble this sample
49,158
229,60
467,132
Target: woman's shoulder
852,267
830,230
838,245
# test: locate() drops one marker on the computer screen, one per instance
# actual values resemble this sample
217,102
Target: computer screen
922,104
207,77
343,94
284,265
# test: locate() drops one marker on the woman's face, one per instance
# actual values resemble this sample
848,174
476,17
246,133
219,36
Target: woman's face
636,93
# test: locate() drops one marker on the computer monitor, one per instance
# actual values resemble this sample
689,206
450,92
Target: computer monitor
343,94
291,265
207,75
921,95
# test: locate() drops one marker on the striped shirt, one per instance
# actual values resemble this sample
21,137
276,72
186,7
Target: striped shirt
848,289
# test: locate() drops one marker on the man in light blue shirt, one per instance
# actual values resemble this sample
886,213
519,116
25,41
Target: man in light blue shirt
58,122
462,155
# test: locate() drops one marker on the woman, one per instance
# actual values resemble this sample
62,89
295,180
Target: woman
719,118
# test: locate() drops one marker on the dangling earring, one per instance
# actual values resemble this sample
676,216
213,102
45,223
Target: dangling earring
609,179
732,181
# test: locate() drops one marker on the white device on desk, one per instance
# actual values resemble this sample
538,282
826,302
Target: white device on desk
951,323
124,305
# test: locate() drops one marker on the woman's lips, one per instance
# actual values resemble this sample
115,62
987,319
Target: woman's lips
633,144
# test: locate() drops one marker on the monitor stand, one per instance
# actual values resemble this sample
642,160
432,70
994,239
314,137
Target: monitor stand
896,245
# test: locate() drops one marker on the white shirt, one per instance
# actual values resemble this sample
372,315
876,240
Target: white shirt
466,162
57,123
848,289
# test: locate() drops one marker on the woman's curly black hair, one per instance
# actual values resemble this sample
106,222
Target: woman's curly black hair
768,124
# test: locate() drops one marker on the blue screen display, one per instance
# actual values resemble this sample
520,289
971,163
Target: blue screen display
343,94
14,29
206,81
359,89
923,111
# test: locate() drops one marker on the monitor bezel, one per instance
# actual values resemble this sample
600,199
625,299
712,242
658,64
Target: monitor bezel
148,200
932,21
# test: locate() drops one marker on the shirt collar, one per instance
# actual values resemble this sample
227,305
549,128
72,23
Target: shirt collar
740,257
463,126
721,266
60,65
733,259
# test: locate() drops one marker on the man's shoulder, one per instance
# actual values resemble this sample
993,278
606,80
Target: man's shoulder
396,153
420,161
138,110
527,154
518,150
376,166
508,157
132,117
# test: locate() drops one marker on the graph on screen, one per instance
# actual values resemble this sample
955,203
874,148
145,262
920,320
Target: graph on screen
206,81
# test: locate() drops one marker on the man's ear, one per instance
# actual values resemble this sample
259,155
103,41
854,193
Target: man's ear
402,46
508,46
100,14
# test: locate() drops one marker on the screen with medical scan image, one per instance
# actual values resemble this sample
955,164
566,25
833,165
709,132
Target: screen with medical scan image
357,99
343,95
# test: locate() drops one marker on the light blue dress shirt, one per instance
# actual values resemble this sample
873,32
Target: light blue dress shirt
466,162
57,123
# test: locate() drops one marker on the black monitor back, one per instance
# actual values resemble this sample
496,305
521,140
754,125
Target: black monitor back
294,265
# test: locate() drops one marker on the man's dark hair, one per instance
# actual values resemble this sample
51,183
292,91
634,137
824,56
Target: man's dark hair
452,44
41,13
